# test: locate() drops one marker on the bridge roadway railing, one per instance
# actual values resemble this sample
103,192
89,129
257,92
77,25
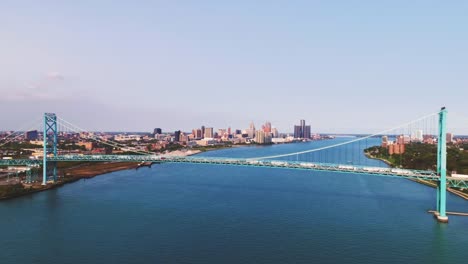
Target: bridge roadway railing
376,171
20,162
381,171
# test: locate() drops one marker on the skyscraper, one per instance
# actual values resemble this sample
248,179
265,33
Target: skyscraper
251,130
208,132
302,131
306,132
449,137
274,132
262,138
384,141
157,131
297,132
31,135
177,136
267,127
203,131
197,133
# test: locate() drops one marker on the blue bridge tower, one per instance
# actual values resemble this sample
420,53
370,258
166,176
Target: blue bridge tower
50,145
442,168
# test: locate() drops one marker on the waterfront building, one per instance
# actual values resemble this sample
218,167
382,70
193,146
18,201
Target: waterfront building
203,131
208,132
396,149
306,132
262,138
302,131
384,141
297,132
274,132
278,140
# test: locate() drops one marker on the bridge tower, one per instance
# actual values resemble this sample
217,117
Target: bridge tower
50,144
442,168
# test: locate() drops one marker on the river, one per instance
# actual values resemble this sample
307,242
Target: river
193,213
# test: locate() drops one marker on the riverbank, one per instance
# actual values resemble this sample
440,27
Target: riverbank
383,160
68,174
425,182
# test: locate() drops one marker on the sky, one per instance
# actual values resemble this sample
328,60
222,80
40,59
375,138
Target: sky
343,66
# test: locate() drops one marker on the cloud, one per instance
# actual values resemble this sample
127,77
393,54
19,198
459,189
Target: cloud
45,88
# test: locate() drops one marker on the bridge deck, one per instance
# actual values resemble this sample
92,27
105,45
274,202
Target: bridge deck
376,171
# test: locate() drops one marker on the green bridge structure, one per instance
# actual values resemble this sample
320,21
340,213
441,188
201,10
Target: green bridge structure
439,176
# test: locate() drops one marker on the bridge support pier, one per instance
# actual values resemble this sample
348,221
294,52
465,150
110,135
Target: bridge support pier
441,214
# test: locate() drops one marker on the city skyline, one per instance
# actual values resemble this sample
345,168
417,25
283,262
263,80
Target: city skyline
122,67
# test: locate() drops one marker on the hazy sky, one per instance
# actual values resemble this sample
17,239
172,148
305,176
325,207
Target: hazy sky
344,66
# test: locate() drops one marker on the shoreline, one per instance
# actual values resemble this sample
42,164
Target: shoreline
91,170
424,182
83,171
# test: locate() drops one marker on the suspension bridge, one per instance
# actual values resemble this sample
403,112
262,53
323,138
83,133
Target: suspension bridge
315,160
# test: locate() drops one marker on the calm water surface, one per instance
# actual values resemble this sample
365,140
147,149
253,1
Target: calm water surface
183,213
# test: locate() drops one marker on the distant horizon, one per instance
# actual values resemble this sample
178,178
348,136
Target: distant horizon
281,133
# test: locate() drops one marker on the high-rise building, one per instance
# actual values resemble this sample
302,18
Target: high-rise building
203,131
250,133
449,137
197,133
252,127
208,132
384,141
157,131
267,127
403,139
31,135
177,136
302,131
297,132
417,136
262,138
306,132
184,138
274,132
396,149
